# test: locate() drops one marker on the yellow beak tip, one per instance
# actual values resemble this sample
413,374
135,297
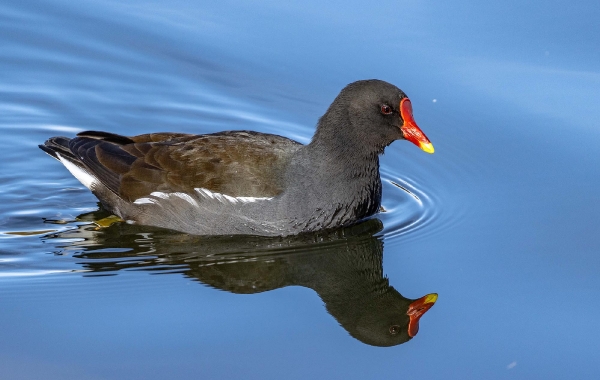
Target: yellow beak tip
427,147
431,298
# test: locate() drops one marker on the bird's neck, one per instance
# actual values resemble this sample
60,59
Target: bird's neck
348,171
340,156
332,185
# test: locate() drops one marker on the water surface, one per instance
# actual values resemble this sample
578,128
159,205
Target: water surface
501,221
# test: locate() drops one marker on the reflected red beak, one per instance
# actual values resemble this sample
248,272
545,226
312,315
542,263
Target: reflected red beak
411,130
416,311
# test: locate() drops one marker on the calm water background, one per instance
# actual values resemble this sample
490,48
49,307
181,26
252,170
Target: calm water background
505,227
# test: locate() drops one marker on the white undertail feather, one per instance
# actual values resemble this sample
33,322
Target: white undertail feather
81,174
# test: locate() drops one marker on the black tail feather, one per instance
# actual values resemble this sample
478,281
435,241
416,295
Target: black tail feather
106,136
57,145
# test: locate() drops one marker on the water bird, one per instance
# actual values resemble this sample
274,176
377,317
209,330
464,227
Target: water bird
245,182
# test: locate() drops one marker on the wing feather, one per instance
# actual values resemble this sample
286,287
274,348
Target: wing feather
234,163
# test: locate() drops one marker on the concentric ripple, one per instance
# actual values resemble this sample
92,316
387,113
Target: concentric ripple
431,201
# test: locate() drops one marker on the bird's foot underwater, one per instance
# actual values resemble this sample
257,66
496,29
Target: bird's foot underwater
107,222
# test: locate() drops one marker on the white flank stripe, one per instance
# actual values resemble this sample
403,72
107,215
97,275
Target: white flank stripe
141,201
227,198
156,196
186,198
159,194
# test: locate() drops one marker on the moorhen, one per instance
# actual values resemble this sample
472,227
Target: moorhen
243,182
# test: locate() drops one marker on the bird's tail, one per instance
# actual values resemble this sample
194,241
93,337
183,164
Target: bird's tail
58,145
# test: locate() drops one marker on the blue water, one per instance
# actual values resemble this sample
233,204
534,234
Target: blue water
501,221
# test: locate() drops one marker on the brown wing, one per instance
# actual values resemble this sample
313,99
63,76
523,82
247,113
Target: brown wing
238,163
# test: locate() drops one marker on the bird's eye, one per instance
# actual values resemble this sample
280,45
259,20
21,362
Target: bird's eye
395,329
386,110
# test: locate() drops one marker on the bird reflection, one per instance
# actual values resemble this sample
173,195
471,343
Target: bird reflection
344,267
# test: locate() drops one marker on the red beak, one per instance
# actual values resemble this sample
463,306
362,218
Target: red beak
411,130
417,309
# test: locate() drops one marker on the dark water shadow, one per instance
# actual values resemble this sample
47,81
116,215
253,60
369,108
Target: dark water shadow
344,267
